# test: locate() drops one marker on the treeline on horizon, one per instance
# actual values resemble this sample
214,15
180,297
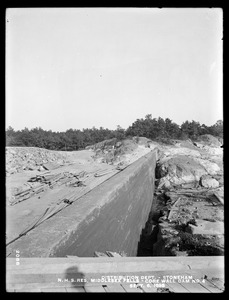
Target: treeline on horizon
157,129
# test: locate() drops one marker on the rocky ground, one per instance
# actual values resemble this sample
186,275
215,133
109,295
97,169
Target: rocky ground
187,216
20,159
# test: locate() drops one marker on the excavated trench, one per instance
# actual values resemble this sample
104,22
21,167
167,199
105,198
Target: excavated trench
182,243
130,243
164,237
149,235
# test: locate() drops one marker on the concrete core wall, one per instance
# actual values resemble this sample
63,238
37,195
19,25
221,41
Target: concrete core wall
109,218
118,224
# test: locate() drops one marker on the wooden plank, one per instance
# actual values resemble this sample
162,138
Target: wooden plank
46,280
169,287
115,288
221,199
158,263
149,288
34,290
20,286
75,289
195,288
113,254
210,273
205,276
54,290
71,256
127,287
43,285
94,289
165,287
177,288
210,286
165,278
218,283
100,254
27,290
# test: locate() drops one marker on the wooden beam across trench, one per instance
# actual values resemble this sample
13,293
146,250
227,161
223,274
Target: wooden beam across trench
116,274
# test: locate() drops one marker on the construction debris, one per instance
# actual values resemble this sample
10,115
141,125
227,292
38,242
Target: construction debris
109,254
191,222
40,183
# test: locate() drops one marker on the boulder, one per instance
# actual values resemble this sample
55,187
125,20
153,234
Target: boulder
40,168
208,182
178,170
118,144
206,227
219,194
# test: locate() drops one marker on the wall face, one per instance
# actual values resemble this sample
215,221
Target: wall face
109,218
118,224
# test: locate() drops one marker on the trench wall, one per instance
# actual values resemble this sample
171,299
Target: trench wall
109,218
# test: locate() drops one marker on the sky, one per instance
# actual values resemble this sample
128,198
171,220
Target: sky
103,67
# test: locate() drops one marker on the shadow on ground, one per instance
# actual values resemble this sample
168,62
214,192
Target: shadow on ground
76,278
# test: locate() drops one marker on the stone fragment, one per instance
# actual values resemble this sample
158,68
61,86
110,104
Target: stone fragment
41,168
206,227
209,182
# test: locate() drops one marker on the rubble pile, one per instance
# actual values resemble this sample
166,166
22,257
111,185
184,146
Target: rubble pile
19,159
186,222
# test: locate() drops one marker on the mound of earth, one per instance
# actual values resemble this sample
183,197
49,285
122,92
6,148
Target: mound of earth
117,151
